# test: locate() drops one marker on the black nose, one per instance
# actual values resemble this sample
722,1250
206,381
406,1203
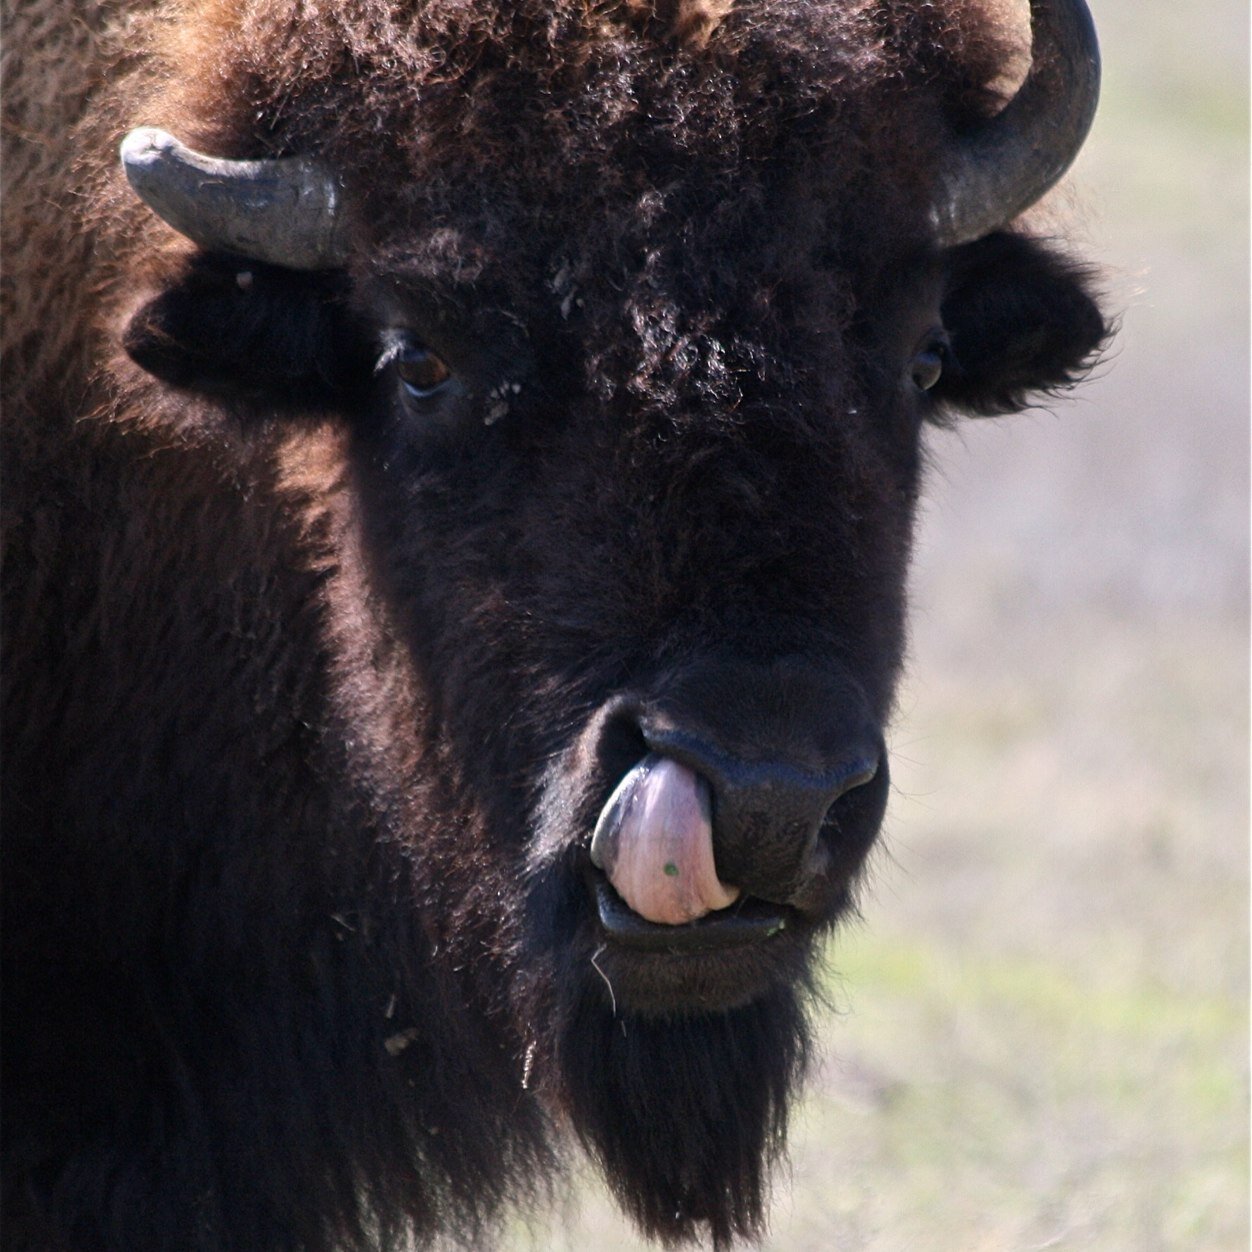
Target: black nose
795,764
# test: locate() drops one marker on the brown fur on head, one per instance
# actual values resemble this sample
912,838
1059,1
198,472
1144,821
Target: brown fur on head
55,60
689,22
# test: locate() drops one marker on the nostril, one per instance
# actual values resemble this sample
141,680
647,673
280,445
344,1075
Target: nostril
862,787
620,744
850,825
854,774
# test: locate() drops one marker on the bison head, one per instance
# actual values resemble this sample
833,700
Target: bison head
635,342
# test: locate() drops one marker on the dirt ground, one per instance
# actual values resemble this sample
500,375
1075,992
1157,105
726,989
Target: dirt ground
1040,1027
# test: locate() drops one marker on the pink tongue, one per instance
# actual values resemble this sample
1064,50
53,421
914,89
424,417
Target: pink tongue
654,840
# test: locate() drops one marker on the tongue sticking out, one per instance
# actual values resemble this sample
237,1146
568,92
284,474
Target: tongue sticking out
654,840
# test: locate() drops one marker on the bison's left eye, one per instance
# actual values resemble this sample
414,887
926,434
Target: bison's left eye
926,367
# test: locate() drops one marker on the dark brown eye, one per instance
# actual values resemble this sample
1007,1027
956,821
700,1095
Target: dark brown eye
421,371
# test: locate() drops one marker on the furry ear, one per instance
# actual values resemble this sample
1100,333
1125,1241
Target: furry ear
237,328
1021,319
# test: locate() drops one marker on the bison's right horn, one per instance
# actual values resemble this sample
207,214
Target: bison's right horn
285,210
1000,169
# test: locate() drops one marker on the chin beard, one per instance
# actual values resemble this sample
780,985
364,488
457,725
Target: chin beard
685,1114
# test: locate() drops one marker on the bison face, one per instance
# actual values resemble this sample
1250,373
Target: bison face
650,573
657,623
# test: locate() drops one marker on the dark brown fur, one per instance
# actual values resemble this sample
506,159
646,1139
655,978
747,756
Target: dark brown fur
306,694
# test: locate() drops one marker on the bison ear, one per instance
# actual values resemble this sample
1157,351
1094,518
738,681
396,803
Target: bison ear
1021,319
241,329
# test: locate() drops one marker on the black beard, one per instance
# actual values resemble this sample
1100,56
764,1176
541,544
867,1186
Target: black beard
685,1115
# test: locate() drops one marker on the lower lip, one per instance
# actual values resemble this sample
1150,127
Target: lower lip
749,923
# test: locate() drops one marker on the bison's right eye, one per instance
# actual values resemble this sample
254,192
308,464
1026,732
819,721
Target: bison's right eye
420,370
422,373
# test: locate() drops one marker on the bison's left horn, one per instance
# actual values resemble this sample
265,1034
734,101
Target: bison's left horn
285,210
1010,161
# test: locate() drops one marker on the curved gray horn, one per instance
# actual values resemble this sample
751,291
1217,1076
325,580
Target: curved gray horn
1003,167
285,211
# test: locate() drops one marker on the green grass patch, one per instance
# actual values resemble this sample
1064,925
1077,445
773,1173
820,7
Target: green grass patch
1053,994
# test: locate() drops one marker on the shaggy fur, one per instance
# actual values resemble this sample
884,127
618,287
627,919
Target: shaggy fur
313,689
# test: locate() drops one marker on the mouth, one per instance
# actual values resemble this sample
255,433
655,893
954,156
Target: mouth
748,922
717,962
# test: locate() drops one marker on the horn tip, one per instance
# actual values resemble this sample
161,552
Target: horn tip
145,144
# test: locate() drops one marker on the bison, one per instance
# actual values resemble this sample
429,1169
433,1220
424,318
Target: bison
459,483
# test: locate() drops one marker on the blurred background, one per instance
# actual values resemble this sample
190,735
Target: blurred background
1039,1036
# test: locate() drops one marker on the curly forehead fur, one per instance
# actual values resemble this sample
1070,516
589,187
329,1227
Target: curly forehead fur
663,189
589,131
